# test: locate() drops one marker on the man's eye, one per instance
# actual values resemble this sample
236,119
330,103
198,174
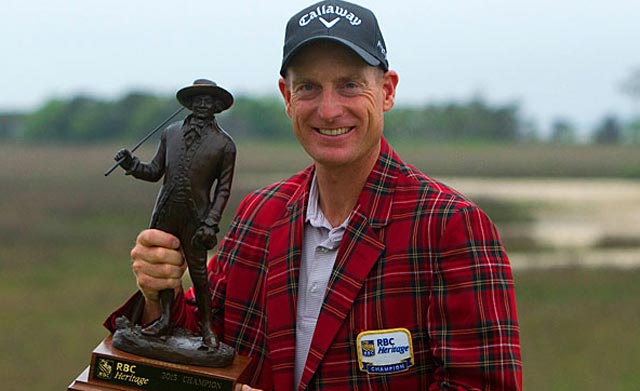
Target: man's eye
306,87
351,88
306,90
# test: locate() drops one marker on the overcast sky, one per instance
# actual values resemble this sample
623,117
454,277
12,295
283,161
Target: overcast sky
554,57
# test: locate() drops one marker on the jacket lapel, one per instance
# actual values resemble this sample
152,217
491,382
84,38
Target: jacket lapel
359,251
283,263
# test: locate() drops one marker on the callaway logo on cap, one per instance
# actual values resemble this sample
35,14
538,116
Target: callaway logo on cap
349,24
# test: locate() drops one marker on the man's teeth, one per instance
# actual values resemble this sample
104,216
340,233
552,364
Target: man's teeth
334,132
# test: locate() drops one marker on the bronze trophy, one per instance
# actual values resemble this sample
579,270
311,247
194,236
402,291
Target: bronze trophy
196,159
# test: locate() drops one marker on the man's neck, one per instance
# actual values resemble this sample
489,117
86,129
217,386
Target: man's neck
339,189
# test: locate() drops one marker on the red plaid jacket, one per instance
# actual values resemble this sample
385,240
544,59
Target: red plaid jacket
415,255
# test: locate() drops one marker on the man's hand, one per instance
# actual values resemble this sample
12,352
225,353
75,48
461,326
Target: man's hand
244,387
205,237
158,264
125,159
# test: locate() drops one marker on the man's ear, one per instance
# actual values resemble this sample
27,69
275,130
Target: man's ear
285,91
390,81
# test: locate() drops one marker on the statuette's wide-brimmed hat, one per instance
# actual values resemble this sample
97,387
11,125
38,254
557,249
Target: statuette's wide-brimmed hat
204,87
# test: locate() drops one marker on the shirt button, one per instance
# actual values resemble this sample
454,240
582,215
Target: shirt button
314,288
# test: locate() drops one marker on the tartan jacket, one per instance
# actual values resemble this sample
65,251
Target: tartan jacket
415,255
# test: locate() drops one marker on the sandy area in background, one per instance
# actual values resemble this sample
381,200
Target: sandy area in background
574,217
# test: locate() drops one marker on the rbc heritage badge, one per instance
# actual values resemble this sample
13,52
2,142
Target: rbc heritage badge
382,352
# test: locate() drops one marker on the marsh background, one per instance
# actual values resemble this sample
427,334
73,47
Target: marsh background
569,215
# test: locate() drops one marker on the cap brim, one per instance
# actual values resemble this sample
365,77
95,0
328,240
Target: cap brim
368,58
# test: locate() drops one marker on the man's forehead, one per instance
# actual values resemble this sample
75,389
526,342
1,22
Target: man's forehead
326,49
340,74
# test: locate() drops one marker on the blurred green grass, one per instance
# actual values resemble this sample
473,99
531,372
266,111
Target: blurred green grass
66,232
579,328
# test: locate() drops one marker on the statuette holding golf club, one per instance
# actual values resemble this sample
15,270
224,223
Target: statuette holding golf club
196,159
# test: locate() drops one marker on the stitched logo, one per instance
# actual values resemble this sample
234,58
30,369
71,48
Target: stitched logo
368,347
319,12
329,24
382,49
383,352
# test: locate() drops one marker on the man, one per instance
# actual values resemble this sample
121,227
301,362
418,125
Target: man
359,272
194,156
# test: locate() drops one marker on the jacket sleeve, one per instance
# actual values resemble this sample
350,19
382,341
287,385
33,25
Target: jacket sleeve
474,332
183,313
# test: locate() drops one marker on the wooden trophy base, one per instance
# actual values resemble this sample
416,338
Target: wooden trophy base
115,370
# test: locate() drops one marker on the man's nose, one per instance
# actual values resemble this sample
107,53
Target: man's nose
330,106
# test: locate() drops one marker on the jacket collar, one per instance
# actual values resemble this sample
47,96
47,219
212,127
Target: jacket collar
376,198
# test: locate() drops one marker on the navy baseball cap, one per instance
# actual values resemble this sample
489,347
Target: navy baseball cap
354,26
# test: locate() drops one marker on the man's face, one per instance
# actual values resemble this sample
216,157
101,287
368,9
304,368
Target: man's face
203,105
336,104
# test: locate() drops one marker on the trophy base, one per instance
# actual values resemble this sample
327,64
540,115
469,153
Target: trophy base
114,370
180,347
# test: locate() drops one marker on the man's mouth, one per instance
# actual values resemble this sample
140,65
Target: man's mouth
333,132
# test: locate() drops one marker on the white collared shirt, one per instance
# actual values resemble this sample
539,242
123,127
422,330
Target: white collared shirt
319,251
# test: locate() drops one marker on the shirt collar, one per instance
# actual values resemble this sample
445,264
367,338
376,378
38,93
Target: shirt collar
315,217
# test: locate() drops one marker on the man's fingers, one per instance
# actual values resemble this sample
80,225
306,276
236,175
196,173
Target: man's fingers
158,270
157,238
151,286
157,247
244,387
157,255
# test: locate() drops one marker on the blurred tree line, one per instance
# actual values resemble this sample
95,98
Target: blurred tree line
89,119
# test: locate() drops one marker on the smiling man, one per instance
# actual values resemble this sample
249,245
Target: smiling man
360,272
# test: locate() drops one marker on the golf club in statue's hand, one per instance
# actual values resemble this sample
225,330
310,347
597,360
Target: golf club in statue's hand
144,139
125,159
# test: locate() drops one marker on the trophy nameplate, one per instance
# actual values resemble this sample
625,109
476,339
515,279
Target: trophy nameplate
114,370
